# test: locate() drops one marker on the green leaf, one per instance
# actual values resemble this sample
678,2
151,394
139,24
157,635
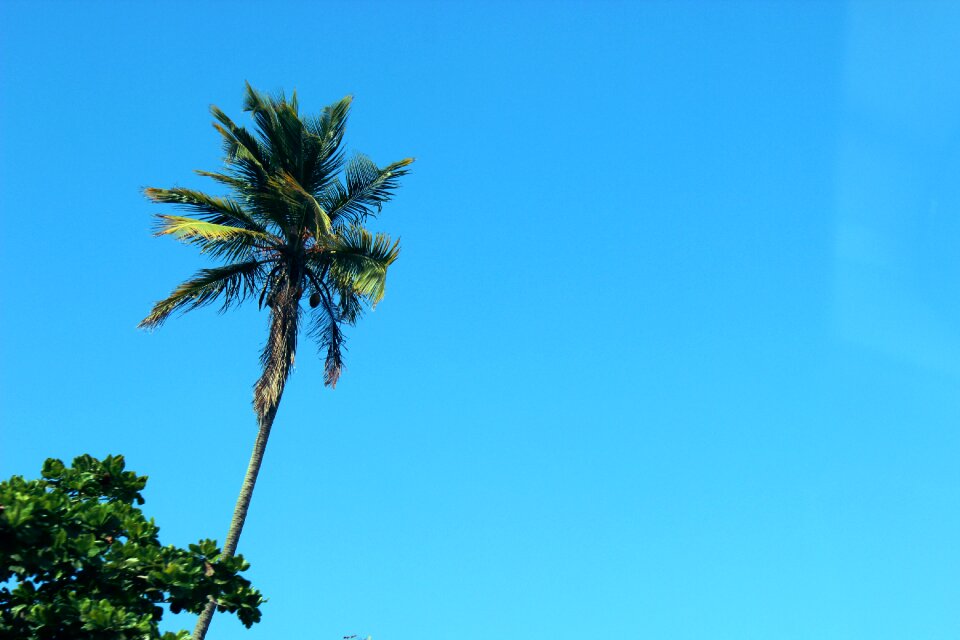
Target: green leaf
233,283
77,569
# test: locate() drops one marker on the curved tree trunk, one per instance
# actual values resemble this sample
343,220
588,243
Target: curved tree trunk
277,359
239,514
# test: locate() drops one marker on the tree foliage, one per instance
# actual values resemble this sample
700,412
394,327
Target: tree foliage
79,561
290,227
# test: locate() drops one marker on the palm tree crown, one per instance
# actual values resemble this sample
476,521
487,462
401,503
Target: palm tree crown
291,227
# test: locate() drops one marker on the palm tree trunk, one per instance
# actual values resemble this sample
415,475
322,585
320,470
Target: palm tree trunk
277,359
246,490
239,513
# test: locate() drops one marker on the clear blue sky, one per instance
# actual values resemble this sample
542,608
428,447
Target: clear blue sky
672,349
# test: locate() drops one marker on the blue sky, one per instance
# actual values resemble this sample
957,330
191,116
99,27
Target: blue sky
671,350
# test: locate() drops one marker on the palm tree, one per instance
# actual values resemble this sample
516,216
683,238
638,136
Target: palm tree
290,229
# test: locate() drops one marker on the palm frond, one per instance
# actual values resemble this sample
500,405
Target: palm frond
241,148
255,162
331,124
367,188
312,216
277,125
208,208
360,258
233,282
324,157
330,339
294,135
250,178
350,304
187,228
238,185
229,242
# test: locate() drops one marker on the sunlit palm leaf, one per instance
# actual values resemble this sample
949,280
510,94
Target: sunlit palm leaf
228,242
312,216
206,207
186,228
361,258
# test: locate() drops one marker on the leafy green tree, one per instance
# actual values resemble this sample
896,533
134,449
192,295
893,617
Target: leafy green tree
290,229
79,561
